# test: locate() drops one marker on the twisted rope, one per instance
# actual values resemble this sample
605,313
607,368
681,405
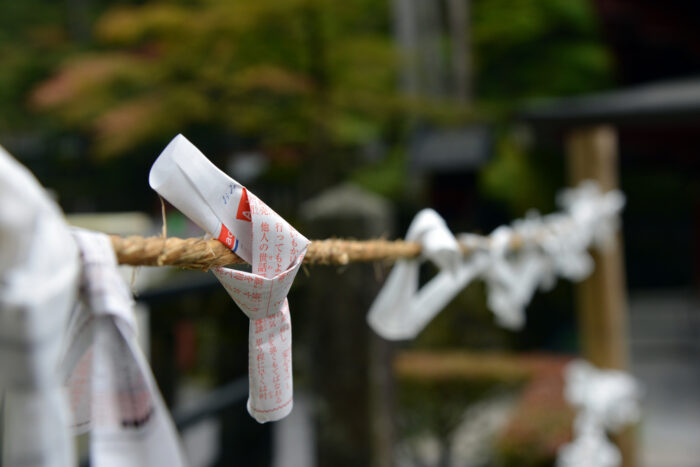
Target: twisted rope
195,253
203,254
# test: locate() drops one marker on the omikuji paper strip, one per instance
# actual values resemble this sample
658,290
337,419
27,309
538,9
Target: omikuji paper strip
111,387
240,220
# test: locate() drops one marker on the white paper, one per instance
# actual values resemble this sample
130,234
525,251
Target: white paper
607,400
551,246
38,283
593,449
275,250
611,397
111,388
400,311
511,278
595,214
34,429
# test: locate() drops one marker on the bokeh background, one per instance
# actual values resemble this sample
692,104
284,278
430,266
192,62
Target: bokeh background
378,108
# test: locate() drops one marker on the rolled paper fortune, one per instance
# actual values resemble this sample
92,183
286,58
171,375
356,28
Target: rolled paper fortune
596,214
39,271
237,218
112,390
606,400
511,280
610,397
592,448
401,311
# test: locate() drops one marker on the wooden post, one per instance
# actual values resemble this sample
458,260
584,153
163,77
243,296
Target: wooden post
601,298
351,370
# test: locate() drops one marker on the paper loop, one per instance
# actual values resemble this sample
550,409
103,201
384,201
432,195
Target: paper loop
241,221
400,311
112,390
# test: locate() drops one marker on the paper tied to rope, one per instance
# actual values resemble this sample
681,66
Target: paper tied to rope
563,244
512,278
592,449
611,397
228,211
38,285
595,214
607,400
111,388
550,246
401,311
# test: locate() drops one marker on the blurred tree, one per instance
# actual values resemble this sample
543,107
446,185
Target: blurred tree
526,50
310,83
30,44
291,77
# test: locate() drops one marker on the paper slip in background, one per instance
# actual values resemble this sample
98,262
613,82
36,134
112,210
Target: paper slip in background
111,388
235,216
38,284
401,311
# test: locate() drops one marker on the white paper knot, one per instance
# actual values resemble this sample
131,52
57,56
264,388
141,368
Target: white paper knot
236,217
607,400
547,247
400,311
610,397
511,278
596,214
566,245
550,246
112,390
592,449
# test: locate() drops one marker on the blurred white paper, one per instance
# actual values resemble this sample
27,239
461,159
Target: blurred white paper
592,449
38,284
275,250
400,311
111,388
595,214
610,397
511,279
607,400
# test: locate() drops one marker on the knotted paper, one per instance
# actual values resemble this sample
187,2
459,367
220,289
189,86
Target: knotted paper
548,247
511,278
112,390
401,311
229,212
607,400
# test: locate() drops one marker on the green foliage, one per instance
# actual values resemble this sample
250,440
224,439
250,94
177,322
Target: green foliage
513,178
282,73
386,177
308,82
525,50
30,44
528,49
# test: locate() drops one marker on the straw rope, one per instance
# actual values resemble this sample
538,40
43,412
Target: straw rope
197,253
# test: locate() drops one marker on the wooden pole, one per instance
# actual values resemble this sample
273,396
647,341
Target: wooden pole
351,370
601,298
